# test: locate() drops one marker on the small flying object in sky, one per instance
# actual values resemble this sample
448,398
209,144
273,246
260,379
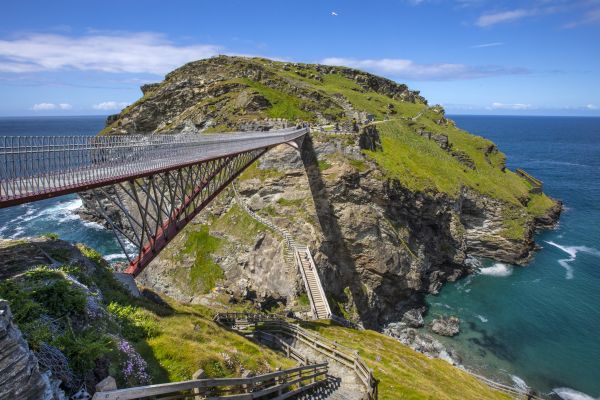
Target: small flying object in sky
334,14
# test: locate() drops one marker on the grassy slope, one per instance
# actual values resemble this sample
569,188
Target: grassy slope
421,165
404,373
175,339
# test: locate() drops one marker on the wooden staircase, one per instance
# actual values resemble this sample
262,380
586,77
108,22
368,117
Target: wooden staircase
318,301
299,256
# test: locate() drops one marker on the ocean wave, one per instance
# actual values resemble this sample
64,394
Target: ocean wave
571,394
572,252
498,269
115,256
442,305
481,318
519,384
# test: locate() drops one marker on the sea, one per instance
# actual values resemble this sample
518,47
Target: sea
536,326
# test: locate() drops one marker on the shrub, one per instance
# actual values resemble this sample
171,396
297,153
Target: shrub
60,298
136,323
23,308
84,348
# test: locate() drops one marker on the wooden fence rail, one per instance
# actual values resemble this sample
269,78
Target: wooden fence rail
274,385
328,348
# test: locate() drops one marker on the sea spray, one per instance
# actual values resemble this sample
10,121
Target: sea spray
571,394
498,269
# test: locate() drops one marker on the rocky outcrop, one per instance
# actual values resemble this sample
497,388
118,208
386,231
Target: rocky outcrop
446,326
381,245
20,377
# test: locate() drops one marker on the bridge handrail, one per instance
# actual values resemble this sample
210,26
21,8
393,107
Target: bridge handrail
255,387
40,164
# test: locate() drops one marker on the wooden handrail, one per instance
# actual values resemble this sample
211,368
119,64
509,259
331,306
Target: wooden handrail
328,348
315,373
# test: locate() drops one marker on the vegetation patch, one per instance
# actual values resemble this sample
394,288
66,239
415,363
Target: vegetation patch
205,272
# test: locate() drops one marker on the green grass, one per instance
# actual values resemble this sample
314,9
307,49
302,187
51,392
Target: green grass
324,165
283,105
238,224
255,172
282,201
539,204
404,373
204,273
360,165
421,165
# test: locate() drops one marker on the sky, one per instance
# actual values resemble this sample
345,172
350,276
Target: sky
538,57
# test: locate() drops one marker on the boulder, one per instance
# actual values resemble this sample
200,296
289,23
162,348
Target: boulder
414,318
446,326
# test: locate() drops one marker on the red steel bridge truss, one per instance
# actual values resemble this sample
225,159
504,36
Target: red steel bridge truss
147,187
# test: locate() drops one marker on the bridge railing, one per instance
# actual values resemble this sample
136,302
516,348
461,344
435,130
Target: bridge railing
44,164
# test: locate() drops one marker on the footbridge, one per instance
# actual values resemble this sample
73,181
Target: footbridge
147,187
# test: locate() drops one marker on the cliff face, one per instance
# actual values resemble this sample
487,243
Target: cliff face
391,212
20,377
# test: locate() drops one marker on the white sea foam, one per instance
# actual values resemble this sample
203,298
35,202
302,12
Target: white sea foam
473,262
519,383
571,394
94,225
572,252
482,318
498,269
115,256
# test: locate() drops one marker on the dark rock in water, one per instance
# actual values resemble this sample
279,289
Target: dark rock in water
446,326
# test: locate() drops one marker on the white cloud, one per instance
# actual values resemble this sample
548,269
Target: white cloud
334,14
110,105
134,53
592,107
408,69
590,17
504,106
504,16
51,106
493,44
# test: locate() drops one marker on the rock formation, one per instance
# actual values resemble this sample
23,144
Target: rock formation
384,228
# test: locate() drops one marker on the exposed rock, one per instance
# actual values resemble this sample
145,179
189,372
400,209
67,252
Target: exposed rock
420,342
20,377
414,318
369,138
446,326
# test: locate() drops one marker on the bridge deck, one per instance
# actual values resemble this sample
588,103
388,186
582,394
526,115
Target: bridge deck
32,168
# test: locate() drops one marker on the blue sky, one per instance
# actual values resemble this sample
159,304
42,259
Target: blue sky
472,56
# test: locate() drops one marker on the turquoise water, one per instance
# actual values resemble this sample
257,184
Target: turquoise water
540,323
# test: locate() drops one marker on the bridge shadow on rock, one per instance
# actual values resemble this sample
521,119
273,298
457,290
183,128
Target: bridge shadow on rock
343,272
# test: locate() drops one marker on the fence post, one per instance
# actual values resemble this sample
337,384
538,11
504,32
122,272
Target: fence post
248,386
106,384
200,374
278,382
